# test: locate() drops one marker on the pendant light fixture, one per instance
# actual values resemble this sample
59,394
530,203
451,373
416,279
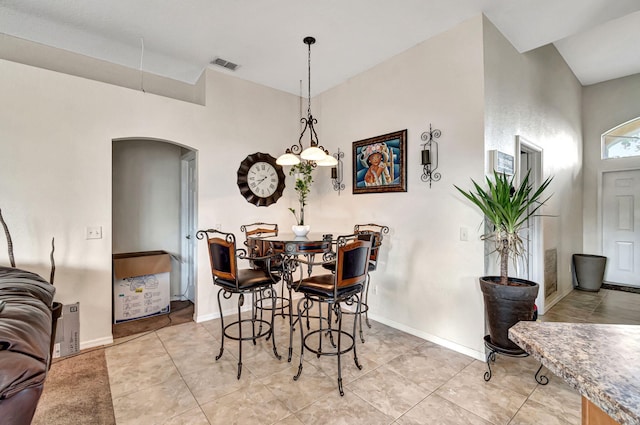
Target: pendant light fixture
315,153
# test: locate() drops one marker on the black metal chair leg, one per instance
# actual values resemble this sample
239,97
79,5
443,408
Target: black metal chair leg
355,354
273,315
339,317
366,302
240,303
302,300
221,327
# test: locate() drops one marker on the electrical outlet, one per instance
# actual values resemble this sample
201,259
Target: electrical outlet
464,234
94,232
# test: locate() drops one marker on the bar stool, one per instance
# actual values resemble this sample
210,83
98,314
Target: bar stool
373,233
377,233
259,248
344,285
231,280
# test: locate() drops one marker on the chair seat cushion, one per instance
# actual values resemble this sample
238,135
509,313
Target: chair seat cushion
248,279
322,286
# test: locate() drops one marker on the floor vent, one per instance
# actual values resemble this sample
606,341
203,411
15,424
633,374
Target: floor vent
224,63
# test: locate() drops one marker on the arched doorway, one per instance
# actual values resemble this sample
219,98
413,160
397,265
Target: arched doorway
154,206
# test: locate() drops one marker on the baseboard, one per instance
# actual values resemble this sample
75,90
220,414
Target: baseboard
107,340
432,338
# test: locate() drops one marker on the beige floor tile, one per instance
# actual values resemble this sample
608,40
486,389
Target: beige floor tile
148,343
435,410
216,380
379,349
399,374
333,409
137,365
254,404
201,357
185,337
513,373
486,399
429,365
558,399
190,417
154,405
311,386
388,392
532,413
290,420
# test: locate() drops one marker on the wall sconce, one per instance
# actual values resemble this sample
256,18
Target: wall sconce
336,172
430,156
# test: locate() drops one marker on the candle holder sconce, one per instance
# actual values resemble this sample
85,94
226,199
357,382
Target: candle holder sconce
337,172
430,156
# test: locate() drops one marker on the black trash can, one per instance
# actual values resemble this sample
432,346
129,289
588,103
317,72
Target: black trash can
588,271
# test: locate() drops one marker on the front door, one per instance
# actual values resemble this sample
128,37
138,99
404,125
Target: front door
621,226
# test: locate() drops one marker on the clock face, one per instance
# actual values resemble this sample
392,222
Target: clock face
260,179
263,179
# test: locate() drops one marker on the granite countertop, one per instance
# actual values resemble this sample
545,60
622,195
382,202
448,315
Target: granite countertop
602,362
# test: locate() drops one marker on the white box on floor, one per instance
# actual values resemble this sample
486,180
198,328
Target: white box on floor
141,285
67,331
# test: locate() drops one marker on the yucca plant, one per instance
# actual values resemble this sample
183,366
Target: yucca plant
507,209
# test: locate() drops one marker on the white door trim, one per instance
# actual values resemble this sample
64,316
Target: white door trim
536,263
187,233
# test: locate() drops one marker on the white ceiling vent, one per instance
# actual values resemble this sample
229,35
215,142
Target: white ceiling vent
224,63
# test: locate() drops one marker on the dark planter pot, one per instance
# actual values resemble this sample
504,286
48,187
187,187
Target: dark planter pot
588,271
56,312
506,305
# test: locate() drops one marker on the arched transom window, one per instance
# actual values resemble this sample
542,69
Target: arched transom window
622,141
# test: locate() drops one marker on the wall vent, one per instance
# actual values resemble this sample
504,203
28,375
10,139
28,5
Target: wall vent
224,63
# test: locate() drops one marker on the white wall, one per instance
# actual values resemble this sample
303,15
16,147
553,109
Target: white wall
535,95
55,170
605,106
426,280
146,201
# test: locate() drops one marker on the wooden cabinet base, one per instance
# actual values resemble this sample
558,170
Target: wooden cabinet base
593,415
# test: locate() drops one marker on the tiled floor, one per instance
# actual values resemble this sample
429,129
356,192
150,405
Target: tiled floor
171,377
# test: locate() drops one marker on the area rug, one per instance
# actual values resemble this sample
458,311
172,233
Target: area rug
181,312
76,391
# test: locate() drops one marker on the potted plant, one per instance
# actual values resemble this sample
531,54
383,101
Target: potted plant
506,209
302,174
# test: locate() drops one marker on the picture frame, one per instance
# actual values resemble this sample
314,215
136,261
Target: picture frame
388,171
503,162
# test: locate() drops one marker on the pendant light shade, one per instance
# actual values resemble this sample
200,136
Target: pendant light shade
287,159
313,153
328,161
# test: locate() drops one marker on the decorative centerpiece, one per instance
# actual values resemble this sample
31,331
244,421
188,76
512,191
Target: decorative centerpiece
302,174
507,208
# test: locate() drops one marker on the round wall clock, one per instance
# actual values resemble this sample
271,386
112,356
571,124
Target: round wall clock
260,179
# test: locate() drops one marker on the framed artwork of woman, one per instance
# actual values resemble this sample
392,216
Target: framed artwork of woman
379,163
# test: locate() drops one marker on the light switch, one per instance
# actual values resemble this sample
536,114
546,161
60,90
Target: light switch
94,232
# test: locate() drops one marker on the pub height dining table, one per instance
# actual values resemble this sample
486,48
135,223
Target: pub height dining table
291,247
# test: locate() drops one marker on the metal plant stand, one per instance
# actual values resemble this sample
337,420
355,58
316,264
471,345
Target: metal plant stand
491,358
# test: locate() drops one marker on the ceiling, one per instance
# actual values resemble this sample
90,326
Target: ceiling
599,39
